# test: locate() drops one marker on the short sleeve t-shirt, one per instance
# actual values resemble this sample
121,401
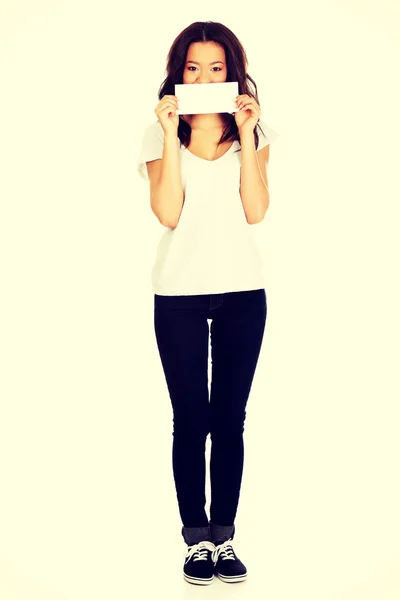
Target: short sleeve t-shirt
211,250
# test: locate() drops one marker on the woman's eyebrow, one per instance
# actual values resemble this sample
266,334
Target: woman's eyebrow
211,63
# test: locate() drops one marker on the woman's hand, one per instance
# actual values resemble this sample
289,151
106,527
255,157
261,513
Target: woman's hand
166,114
247,117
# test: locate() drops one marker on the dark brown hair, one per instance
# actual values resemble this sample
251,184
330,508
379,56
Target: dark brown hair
236,62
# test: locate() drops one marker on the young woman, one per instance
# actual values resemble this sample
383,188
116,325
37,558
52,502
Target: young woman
208,183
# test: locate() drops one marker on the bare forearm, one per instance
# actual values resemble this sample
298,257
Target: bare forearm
253,189
167,197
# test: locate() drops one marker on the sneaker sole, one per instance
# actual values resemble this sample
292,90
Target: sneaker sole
232,579
198,580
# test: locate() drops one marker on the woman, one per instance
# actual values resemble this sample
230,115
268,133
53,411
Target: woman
208,183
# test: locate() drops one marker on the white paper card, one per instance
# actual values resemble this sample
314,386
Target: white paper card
205,98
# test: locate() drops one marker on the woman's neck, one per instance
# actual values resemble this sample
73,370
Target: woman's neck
208,122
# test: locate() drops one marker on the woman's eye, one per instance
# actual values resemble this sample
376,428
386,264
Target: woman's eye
219,68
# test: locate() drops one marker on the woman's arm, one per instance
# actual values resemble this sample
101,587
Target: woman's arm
253,189
166,193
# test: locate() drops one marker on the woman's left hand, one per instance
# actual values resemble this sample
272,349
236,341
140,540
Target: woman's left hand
247,117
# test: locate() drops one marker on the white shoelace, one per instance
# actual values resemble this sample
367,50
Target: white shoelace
225,550
200,551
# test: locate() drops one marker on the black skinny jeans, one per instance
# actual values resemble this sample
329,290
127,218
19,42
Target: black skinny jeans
182,333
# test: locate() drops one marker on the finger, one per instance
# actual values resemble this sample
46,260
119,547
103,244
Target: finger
251,106
241,97
168,98
247,100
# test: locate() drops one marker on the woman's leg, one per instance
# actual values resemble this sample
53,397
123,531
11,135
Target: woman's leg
182,334
237,331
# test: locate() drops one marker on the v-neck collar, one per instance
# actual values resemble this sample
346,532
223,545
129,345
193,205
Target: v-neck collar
215,159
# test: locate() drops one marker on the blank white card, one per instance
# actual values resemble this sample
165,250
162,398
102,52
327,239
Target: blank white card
205,98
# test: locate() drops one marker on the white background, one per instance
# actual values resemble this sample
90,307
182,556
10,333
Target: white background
87,504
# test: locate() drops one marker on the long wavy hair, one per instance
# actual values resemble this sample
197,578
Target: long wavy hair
236,62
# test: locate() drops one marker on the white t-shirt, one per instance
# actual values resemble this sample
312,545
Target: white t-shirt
211,250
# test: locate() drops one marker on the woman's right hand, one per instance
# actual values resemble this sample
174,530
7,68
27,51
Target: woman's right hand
165,111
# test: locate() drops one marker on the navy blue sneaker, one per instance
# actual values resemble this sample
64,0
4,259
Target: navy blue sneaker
199,565
228,567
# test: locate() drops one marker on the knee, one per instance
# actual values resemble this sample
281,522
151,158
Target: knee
191,429
227,430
